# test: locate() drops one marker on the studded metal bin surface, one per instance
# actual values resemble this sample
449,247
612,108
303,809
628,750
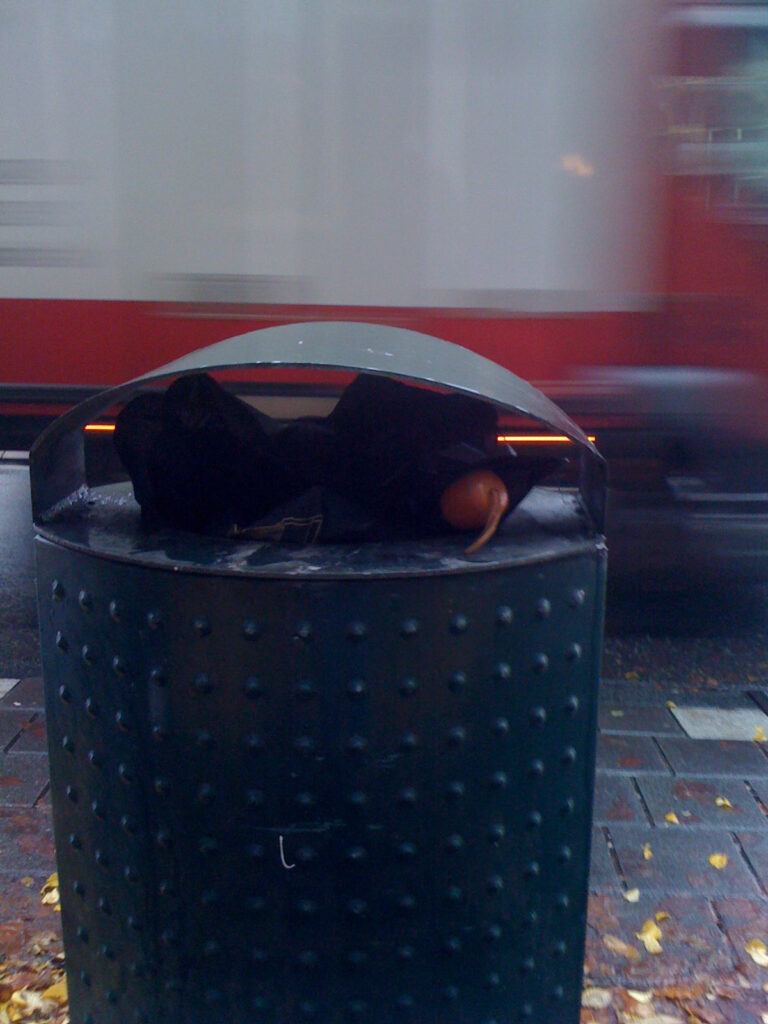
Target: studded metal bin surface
285,795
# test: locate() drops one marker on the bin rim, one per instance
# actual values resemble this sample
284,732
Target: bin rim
57,460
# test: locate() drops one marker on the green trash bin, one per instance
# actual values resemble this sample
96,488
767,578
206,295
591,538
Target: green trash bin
335,782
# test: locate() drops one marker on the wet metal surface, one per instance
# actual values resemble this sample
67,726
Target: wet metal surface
698,649
105,521
403,718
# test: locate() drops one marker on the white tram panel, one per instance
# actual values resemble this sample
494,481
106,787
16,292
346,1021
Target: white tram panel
440,152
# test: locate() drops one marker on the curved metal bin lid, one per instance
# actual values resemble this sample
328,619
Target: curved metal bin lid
57,464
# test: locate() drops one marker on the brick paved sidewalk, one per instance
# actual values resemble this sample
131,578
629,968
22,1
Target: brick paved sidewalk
650,767
665,802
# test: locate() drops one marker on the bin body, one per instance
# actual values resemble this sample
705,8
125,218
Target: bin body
332,784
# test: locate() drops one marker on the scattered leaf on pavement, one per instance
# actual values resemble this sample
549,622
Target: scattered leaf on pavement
678,992
57,991
718,860
640,997
632,895
649,935
647,851
672,818
758,951
617,945
596,998
50,891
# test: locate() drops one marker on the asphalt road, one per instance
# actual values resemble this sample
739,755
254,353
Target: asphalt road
699,639
19,654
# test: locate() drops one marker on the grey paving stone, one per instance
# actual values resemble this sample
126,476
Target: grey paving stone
717,697
11,724
616,693
26,842
760,698
27,693
760,787
693,947
712,758
755,847
642,721
679,862
23,778
694,801
602,873
744,920
616,799
629,755
32,738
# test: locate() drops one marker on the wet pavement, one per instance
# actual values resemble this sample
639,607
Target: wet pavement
680,841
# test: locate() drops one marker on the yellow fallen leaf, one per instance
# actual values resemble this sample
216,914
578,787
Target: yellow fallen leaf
648,1018
661,915
671,704
718,860
647,851
672,818
758,951
25,1004
722,801
632,895
596,998
640,997
631,675
57,991
764,1018
52,882
676,993
759,735
27,880
617,945
49,894
649,935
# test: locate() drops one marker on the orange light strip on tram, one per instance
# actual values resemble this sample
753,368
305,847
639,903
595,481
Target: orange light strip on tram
538,439
501,438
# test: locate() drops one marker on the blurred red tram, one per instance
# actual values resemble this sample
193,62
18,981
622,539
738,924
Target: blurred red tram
577,190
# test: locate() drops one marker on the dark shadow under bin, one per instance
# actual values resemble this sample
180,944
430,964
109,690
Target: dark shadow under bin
334,783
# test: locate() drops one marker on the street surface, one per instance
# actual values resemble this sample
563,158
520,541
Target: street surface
678,916
18,618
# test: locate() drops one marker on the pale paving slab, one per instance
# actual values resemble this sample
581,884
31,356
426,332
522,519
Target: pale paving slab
702,723
6,685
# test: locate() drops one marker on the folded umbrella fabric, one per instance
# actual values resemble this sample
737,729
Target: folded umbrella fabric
201,459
